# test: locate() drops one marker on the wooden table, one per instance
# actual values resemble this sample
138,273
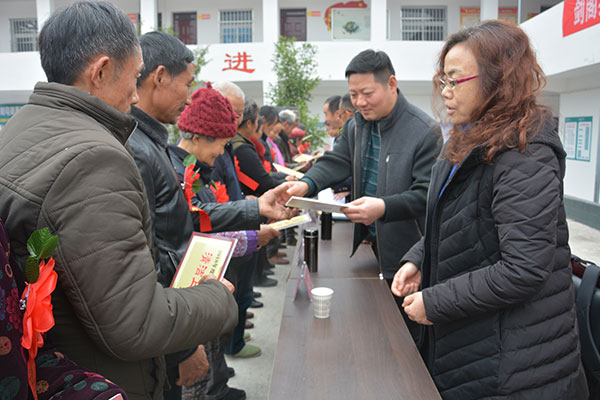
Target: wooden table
362,351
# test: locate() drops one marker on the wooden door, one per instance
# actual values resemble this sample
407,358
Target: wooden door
293,23
184,25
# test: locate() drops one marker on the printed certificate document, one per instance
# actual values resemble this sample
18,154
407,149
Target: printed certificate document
317,205
288,171
289,223
205,255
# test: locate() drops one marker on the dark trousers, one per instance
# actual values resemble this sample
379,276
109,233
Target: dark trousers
243,297
264,254
175,392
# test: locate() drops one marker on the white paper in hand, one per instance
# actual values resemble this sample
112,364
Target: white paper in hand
311,204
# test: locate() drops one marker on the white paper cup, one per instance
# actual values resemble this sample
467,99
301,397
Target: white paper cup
321,299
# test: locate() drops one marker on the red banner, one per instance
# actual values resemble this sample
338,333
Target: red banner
580,14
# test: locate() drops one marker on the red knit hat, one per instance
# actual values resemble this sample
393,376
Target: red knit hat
210,114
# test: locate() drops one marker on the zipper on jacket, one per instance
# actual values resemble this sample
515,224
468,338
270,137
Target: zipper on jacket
355,184
418,227
377,221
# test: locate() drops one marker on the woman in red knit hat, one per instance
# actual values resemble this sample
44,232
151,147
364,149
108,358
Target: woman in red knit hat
207,125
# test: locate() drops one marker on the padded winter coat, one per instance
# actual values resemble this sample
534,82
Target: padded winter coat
496,277
63,165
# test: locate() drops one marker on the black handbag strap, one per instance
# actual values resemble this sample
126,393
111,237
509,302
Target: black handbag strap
585,294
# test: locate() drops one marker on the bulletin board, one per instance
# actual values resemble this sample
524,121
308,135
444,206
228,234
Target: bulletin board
577,138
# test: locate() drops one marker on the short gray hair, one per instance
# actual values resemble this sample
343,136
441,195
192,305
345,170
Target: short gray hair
227,88
188,136
287,116
74,35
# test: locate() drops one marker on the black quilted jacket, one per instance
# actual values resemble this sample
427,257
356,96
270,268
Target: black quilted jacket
496,277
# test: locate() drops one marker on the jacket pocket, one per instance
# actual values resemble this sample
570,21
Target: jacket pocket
397,171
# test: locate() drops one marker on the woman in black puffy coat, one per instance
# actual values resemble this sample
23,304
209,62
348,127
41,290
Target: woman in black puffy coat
490,281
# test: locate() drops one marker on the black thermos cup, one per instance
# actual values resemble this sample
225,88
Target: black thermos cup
311,247
326,225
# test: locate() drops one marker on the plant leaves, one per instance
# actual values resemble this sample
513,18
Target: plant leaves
37,241
189,160
196,186
49,247
32,269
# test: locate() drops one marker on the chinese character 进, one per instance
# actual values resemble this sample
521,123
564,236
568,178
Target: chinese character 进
239,62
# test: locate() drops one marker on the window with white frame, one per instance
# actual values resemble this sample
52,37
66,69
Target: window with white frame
424,23
236,26
23,34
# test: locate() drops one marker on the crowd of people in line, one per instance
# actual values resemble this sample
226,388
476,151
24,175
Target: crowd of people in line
468,229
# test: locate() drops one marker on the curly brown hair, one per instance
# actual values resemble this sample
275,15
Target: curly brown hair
510,80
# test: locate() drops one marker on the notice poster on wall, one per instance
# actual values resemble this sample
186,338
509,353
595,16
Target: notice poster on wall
469,16
508,14
351,24
570,138
577,138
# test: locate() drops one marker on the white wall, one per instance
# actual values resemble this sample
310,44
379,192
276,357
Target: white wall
580,179
208,29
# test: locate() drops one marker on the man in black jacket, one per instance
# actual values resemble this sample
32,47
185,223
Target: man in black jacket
388,149
164,91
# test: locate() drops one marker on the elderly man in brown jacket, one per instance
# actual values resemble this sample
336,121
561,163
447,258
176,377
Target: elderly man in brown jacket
64,165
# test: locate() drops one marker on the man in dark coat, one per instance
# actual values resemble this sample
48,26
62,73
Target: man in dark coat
388,148
163,88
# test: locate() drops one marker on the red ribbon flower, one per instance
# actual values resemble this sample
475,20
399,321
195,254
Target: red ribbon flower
38,318
220,192
189,177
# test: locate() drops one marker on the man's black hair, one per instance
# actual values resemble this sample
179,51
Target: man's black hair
376,62
269,114
74,35
160,48
333,103
346,103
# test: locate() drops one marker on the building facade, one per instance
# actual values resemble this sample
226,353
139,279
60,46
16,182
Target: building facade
240,35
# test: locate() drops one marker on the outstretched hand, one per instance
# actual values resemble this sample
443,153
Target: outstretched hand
297,188
271,203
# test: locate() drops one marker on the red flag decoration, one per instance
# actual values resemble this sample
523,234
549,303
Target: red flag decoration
579,15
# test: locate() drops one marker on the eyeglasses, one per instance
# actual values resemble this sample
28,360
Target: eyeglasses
450,83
